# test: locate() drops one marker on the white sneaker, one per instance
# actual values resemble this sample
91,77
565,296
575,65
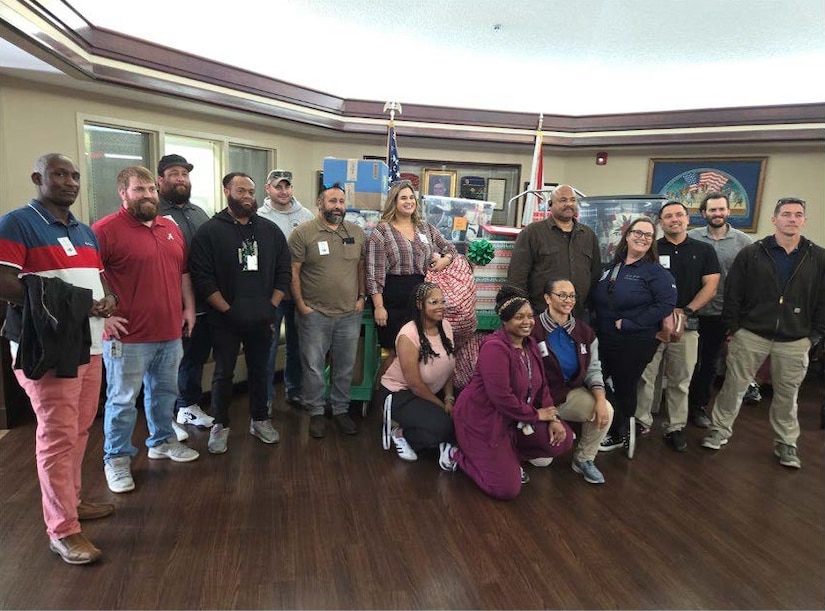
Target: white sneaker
445,457
118,472
218,439
402,447
174,450
180,432
195,415
541,462
263,430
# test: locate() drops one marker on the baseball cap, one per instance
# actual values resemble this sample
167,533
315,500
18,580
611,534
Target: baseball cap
167,161
276,176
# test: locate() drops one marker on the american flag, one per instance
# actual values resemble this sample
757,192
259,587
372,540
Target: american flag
393,162
713,181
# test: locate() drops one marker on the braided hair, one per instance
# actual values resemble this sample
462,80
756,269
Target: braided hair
425,350
509,300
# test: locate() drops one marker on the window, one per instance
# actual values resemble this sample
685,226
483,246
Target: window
252,161
205,178
108,151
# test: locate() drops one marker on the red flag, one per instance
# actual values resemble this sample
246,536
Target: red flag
532,200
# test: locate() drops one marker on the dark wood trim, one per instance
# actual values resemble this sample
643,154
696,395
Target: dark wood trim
101,43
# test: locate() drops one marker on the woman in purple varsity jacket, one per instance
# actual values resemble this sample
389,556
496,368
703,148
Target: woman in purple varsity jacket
570,352
506,414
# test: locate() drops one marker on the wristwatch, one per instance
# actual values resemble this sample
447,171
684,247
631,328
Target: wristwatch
688,310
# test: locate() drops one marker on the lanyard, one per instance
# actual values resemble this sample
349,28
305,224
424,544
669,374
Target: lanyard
529,376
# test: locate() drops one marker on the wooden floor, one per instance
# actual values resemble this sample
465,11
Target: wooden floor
339,524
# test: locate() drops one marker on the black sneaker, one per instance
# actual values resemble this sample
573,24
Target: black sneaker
317,426
752,394
699,418
346,424
610,443
676,440
524,476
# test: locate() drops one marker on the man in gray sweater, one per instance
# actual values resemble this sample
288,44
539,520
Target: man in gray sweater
281,207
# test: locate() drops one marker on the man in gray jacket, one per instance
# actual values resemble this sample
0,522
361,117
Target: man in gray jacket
281,207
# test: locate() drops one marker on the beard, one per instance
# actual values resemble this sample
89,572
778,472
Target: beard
238,209
177,194
139,209
333,217
717,222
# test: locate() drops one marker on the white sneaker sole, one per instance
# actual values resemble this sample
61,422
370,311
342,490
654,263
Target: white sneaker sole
155,455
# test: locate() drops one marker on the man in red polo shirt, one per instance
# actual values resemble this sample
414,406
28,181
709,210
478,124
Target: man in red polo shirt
144,258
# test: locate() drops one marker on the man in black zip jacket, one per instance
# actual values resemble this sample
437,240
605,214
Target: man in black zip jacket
241,266
774,306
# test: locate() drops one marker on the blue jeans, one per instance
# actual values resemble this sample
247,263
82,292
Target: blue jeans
292,369
196,350
153,364
339,337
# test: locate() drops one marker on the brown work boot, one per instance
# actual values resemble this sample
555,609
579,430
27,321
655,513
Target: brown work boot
75,549
94,511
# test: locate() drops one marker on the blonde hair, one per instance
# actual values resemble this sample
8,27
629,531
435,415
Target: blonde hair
391,205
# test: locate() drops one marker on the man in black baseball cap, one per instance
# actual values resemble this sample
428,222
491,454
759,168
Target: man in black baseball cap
167,161
175,189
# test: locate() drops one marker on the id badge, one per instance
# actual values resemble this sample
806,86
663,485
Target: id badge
116,350
323,247
251,263
664,260
423,237
68,247
543,349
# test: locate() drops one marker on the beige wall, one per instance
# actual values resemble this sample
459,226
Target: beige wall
36,118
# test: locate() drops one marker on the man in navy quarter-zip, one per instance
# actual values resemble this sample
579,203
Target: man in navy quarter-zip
774,306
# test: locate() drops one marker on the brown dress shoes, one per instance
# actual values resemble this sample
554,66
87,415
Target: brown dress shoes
93,511
75,549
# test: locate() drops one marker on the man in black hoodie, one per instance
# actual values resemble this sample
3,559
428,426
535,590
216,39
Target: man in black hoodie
241,266
774,306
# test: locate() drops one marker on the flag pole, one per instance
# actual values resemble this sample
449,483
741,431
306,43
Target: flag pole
393,161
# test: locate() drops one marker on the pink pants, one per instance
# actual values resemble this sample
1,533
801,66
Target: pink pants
65,409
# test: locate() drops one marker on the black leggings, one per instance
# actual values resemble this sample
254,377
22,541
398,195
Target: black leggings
624,359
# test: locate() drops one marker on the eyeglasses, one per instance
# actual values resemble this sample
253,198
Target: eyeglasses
790,200
335,185
638,233
565,296
433,301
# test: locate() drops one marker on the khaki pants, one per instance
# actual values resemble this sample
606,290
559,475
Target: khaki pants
579,408
679,364
789,362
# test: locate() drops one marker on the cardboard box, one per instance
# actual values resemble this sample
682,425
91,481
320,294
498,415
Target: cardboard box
365,182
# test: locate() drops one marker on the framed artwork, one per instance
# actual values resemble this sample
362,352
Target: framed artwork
440,182
689,180
496,187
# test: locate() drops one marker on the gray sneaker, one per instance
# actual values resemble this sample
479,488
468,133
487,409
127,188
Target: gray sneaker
714,441
787,455
218,439
588,469
173,450
118,472
263,430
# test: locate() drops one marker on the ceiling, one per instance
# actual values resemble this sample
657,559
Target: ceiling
575,58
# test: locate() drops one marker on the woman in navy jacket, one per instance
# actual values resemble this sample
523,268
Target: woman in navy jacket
631,299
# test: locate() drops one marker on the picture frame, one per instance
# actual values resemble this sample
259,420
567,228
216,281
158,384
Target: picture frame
496,188
442,183
688,180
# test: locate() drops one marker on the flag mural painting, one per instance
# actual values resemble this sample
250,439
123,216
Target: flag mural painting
690,180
